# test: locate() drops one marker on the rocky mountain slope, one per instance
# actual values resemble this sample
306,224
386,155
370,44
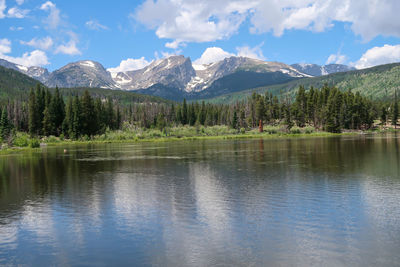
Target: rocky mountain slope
38,73
317,70
176,77
84,73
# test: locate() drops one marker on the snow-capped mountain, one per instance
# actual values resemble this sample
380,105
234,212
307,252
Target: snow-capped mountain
38,73
84,73
176,76
317,70
174,71
207,74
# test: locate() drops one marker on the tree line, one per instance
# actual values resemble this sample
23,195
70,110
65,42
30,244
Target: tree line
328,109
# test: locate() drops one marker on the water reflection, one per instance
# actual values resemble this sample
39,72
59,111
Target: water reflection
321,201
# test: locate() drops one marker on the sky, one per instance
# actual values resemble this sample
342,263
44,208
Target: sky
126,35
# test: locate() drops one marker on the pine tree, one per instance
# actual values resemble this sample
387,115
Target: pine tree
76,119
184,113
57,112
47,123
383,114
202,113
234,119
68,120
192,115
88,115
5,125
260,112
395,111
33,114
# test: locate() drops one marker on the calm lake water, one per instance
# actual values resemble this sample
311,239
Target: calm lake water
315,201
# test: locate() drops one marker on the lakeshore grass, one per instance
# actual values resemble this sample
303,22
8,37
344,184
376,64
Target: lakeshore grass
131,134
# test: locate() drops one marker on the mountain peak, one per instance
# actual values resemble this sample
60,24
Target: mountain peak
317,70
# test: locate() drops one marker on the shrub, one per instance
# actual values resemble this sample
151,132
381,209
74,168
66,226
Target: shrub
295,130
21,140
309,129
271,129
34,143
242,130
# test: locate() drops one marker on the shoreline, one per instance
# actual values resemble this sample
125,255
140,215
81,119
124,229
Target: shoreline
265,135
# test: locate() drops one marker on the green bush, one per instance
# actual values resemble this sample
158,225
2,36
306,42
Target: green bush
271,129
242,130
34,143
295,130
21,140
309,129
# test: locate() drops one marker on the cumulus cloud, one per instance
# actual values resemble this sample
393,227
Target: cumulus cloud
251,52
53,19
379,55
130,64
95,25
16,12
336,59
5,46
191,20
211,55
214,54
19,2
2,8
43,43
34,58
208,20
68,49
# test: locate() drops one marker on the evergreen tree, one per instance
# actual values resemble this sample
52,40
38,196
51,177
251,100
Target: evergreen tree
234,119
76,119
68,120
202,113
47,124
5,125
33,114
88,115
395,111
184,118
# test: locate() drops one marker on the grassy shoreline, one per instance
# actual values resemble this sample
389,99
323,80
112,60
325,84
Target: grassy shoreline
183,133
248,135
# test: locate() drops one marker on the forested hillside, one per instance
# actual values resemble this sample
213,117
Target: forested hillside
378,83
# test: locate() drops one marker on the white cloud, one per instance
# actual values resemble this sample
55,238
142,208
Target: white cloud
211,55
5,46
379,55
209,20
53,19
191,20
44,43
95,25
251,52
130,64
19,2
34,58
68,49
13,28
214,54
15,12
2,8
336,59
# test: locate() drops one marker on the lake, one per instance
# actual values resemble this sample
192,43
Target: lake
308,201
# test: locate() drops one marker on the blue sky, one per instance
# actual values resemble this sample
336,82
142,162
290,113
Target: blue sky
126,35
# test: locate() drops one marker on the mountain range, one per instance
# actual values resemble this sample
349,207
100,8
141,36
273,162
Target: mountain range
177,77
